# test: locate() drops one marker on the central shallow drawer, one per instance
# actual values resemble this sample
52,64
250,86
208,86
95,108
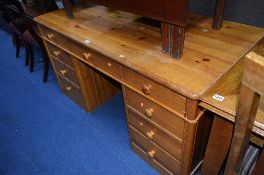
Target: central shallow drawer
157,114
155,152
168,143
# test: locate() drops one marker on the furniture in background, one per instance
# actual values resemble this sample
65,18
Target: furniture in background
16,25
30,34
225,115
167,127
252,88
173,15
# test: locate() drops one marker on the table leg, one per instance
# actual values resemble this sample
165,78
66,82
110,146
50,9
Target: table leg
247,109
219,14
218,146
68,8
172,39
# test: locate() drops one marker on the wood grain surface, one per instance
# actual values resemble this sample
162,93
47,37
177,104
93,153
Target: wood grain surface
209,54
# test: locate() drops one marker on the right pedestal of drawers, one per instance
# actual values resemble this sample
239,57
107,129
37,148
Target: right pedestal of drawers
166,135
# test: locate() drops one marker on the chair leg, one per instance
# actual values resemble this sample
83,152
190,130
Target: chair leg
46,69
27,54
31,58
16,43
46,62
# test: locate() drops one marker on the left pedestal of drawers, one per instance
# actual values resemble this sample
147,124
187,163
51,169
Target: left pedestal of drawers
77,80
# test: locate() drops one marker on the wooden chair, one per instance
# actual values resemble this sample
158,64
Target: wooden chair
32,38
16,25
251,89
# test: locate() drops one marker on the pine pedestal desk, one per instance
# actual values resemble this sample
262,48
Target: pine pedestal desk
167,128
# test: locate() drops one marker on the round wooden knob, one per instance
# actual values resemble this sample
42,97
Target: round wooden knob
151,154
150,135
68,88
63,72
50,36
149,112
56,53
87,56
146,89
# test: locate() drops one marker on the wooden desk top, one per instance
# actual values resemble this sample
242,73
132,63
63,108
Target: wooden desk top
228,87
208,54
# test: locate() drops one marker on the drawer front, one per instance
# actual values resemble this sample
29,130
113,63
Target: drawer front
106,65
72,91
160,116
155,91
166,142
161,169
154,152
60,55
91,57
66,72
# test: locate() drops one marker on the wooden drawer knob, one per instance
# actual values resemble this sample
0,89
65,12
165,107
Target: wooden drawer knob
87,56
149,112
63,72
151,154
146,89
50,36
56,53
68,88
150,135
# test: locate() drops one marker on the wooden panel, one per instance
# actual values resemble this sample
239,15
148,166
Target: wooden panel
162,139
152,162
72,91
96,88
66,71
152,90
154,152
60,55
160,116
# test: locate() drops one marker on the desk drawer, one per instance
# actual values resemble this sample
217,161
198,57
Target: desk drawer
157,114
155,152
60,55
71,91
66,43
91,57
155,91
104,64
156,165
169,144
66,71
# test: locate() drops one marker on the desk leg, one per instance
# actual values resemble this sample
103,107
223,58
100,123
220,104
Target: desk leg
219,14
68,8
218,146
172,39
259,168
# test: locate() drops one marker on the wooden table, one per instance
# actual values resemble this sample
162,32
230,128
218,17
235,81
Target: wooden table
225,113
173,15
167,127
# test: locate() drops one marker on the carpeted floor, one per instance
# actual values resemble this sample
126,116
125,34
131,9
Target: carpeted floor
42,132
